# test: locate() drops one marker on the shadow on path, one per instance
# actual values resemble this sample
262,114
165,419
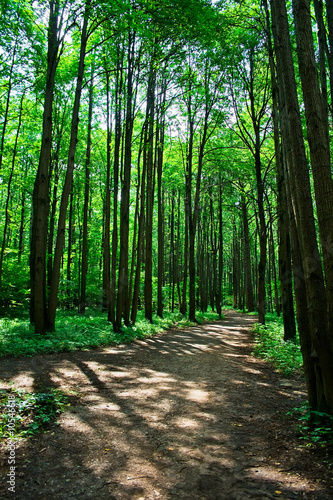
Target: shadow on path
186,414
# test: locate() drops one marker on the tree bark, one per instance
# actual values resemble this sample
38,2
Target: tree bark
136,291
315,103
123,308
116,165
285,266
54,286
84,258
249,299
149,145
38,247
160,132
300,193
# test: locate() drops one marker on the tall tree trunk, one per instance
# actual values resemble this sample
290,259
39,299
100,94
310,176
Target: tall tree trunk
261,294
193,215
69,288
136,228
123,309
323,50
54,286
235,265
41,186
116,165
249,300
285,267
300,192
84,258
213,244
219,298
274,274
136,291
149,145
315,103
160,132
172,252
106,301
21,232
54,169
309,361
329,15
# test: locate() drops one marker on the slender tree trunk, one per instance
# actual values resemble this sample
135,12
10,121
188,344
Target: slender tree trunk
123,309
235,266
219,299
136,291
261,294
182,296
69,288
329,16
150,194
213,244
84,258
106,301
172,252
159,146
21,233
9,185
323,50
285,267
249,300
274,274
136,228
116,165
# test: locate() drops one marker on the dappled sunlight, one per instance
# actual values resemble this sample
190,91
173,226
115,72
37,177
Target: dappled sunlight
143,409
185,423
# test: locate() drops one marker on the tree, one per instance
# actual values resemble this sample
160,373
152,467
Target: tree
123,310
41,188
54,284
301,203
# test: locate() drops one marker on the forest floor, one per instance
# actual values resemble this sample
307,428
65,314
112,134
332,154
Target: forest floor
187,414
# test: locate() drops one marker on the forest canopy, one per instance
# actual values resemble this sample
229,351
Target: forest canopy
170,155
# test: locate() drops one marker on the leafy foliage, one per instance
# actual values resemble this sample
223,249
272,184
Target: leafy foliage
269,344
17,337
33,411
314,427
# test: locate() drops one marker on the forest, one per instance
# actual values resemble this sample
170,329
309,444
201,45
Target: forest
170,156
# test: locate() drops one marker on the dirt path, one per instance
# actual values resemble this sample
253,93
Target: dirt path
184,415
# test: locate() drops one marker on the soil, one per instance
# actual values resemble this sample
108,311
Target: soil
187,414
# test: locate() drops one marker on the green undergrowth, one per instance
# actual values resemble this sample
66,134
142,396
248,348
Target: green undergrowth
269,344
83,332
23,414
314,428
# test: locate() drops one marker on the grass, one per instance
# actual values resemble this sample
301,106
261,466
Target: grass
83,332
269,344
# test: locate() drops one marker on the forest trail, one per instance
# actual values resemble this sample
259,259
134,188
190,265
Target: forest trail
186,414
